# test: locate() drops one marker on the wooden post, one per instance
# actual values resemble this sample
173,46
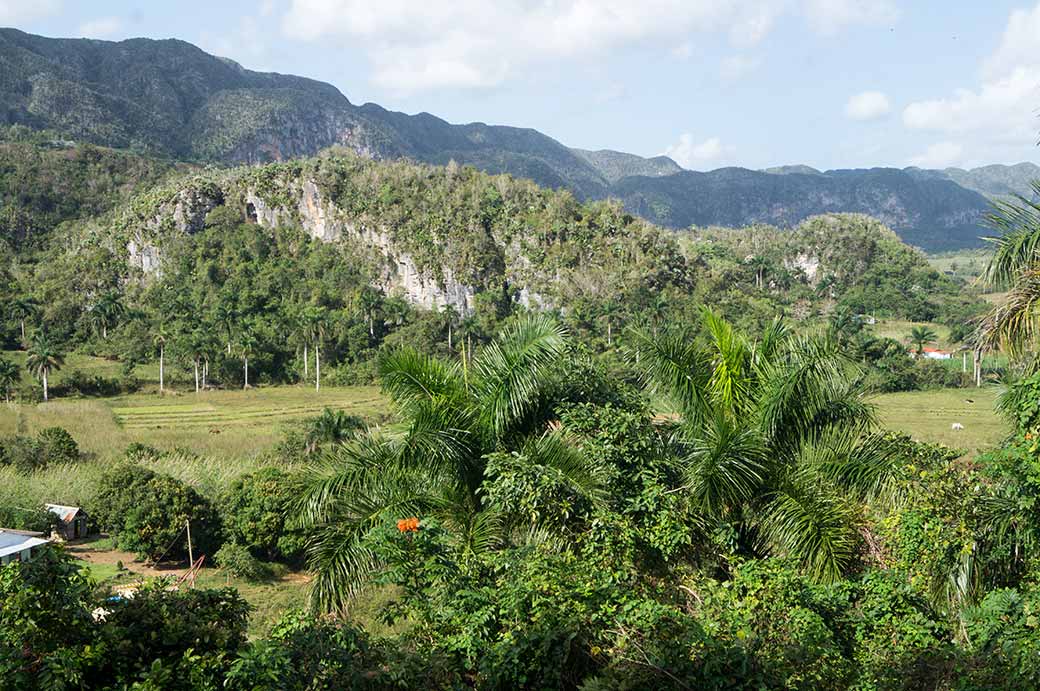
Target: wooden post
191,555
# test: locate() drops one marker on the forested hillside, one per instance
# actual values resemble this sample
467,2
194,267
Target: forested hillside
927,212
171,99
346,255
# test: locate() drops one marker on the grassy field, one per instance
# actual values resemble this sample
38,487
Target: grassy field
965,264
899,330
219,423
928,416
92,366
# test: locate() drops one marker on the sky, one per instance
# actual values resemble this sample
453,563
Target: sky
755,83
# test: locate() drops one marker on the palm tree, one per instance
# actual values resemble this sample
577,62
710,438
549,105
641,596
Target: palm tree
227,315
42,358
247,342
196,345
772,435
23,307
453,417
106,312
332,427
8,377
159,339
315,326
1014,324
920,336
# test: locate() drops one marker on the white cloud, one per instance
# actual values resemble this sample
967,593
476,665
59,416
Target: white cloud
475,43
830,16
683,51
1017,46
690,154
104,27
939,155
737,66
996,118
869,105
14,11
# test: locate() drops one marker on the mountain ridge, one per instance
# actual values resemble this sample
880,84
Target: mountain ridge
172,98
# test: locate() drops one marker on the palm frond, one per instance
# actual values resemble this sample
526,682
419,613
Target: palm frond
672,367
441,438
1014,324
865,465
809,388
730,381
554,450
807,520
724,464
359,486
511,372
1016,249
410,377
772,341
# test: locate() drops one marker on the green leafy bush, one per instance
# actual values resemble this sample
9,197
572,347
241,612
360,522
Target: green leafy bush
255,510
57,445
146,513
50,445
238,561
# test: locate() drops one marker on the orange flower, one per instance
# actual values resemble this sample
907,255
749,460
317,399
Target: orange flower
408,525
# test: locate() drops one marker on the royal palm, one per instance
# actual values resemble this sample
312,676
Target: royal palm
453,415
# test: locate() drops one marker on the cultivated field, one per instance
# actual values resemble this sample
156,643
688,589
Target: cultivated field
928,416
222,423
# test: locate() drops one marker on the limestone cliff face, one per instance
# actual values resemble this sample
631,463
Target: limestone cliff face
399,272
185,212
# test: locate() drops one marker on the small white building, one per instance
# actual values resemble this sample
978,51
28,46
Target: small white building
936,354
19,545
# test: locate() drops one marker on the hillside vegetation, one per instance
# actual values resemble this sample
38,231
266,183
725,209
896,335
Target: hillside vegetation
170,98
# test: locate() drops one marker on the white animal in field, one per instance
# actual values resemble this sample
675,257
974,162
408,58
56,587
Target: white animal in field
956,426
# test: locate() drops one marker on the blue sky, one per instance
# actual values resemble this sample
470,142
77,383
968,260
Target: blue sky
829,83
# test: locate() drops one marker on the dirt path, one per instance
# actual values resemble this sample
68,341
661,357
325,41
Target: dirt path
111,557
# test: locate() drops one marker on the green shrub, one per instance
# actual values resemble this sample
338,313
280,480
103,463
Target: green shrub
254,512
238,561
47,635
57,445
21,452
146,513
26,518
189,632
307,653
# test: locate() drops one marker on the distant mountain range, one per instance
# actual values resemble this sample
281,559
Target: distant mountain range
172,99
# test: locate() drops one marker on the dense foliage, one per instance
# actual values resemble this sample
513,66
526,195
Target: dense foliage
146,512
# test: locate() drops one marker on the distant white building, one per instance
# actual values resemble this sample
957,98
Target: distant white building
19,545
936,354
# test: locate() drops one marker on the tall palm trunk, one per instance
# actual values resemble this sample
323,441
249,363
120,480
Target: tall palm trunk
306,362
245,365
205,373
22,322
162,354
317,369
45,390
196,375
